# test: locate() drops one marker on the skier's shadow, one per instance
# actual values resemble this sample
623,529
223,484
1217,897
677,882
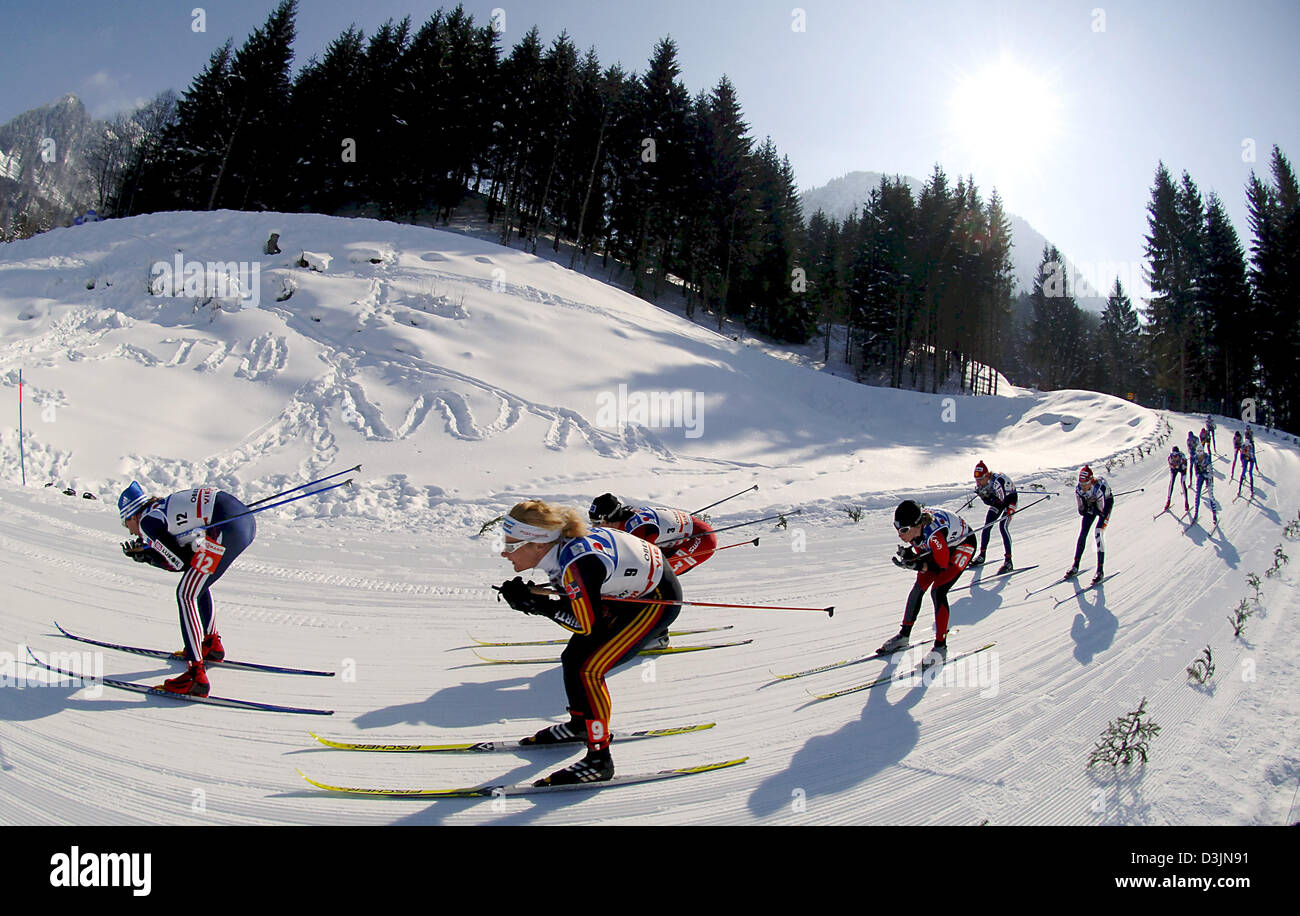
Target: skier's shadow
1094,627
881,737
984,601
467,705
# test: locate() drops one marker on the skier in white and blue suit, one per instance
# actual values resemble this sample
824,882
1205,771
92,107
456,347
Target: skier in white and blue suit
183,533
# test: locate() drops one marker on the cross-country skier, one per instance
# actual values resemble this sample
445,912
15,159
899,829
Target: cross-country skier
999,494
1236,452
588,566
1177,465
1095,504
1209,424
172,533
939,546
1254,452
1205,439
685,540
1193,443
1204,465
1247,463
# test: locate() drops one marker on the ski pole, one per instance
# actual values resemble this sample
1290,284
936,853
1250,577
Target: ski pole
303,486
828,611
724,499
982,528
757,520
1127,492
335,486
712,550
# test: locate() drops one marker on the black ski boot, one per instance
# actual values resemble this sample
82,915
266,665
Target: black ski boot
565,733
597,766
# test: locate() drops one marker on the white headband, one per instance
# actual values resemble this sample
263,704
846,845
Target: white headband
522,531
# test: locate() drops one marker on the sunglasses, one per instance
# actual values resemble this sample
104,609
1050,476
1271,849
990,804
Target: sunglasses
511,548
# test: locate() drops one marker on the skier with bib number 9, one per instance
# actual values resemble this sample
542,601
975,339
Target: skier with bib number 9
588,566
172,533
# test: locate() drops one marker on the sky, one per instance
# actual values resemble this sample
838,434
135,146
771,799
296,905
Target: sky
1065,107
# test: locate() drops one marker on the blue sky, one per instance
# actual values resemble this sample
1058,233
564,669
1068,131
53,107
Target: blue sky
1066,107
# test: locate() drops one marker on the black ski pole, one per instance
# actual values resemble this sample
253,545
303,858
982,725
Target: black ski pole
302,487
725,498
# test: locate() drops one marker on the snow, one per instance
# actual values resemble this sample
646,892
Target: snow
465,377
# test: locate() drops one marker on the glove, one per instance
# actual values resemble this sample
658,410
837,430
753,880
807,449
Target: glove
519,595
136,550
1011,510
907,559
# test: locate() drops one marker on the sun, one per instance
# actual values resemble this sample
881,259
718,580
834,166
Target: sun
1005,120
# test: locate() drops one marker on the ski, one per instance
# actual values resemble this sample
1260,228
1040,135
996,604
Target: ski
1087,588
500,789
159,692
560,642
671,650
850,661
982,579
171,656
511,744
886,678
1060,581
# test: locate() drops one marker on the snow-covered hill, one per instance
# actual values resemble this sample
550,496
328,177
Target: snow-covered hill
464,377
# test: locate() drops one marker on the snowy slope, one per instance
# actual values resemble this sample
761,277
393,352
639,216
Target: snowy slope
466,376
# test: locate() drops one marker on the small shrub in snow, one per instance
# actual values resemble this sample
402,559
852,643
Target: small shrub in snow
1240,614
853,512
1125,738
1202,669
1280,559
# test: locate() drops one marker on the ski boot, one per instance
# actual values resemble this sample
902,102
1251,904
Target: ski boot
937,655
597,766
1097,578
565,733
194,682
213,651
898,642
977,560
1071,572
1006,567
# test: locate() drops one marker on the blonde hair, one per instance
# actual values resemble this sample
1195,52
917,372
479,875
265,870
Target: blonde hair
547,515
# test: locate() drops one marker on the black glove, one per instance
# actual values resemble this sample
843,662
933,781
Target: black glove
907,559
136,550
519,595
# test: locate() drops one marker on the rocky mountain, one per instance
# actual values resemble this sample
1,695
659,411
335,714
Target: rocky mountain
45,164
842,196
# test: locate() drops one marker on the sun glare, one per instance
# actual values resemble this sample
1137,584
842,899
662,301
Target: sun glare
1005,120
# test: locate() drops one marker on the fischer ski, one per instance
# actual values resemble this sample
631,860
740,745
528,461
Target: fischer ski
850,661
172,656
1087,588
159,692
512,744
1060,581
500,789
561,642
982,579
671,650
886,678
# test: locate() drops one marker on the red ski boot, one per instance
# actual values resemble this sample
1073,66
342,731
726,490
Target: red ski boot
213,651
194,682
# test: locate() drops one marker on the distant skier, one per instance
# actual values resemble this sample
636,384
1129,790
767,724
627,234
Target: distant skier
1177,466
588,566
1204,465
685,540
1095,503
999,494
1254,452
1193,443
1205,439
171,533
1236,453
1247,464
1209,424
939,546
